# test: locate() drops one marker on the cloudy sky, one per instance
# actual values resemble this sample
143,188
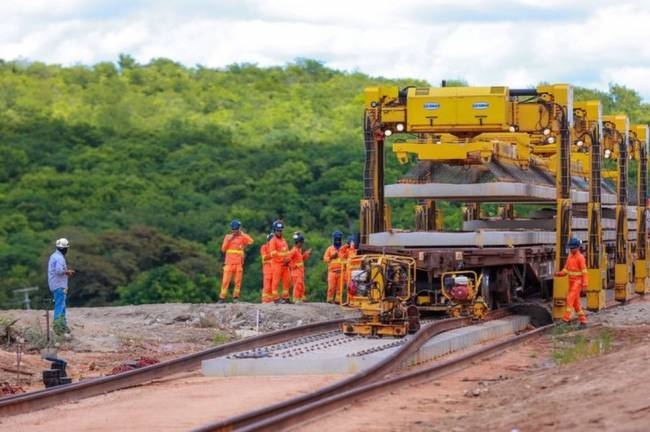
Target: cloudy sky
510,42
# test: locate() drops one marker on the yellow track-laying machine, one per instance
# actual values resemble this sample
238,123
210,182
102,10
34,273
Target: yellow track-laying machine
525,170
382,287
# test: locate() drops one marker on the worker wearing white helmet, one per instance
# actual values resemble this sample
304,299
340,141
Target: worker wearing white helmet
57,278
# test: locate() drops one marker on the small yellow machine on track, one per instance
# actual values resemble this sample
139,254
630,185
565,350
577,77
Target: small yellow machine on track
382,288
462,288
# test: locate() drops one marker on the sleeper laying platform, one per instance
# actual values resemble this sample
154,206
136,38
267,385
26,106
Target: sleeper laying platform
479,239
337,353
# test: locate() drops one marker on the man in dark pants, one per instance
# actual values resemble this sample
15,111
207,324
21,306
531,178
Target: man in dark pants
57,278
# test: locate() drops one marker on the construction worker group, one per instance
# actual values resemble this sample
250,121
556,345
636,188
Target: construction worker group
283,265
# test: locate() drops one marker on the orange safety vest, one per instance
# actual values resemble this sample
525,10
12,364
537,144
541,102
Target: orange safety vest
265,254
576,268
279,249
233,247
338,262
297,257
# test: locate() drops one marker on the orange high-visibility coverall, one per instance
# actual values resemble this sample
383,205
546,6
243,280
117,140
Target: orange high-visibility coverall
576,268
280,265
335,259
351,253
233,246
267,273
297,266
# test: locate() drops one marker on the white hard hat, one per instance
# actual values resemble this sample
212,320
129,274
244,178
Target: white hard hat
62,243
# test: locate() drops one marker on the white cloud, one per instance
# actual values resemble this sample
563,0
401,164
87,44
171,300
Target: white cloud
510,42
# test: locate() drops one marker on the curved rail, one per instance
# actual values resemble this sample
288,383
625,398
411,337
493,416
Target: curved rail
303,413
295,414
364,377
45,398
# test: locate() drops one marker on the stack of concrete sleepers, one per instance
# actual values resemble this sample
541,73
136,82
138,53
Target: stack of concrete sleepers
496,192
539,230
479,238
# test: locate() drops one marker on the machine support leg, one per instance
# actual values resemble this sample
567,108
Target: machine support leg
596,265
622,266
563,215
641,264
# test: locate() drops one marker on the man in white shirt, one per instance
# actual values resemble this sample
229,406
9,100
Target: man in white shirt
57,278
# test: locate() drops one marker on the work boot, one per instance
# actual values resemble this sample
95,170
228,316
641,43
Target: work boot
582,326
221,301
235,300
276,301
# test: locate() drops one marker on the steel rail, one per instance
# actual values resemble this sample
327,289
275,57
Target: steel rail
373,373
45,398
300,414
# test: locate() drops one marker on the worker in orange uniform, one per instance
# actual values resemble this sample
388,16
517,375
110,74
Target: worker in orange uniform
335,257
352,248
576,269
351,253
279,263
267,271
233,246
297,258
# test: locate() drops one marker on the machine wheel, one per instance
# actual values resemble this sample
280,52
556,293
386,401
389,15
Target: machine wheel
456,311
413,319
479,309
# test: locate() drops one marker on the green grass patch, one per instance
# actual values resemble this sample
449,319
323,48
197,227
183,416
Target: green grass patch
568,348
219,338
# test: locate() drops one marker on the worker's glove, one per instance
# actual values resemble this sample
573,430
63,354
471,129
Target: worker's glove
65,291
560,274
285,262
335,255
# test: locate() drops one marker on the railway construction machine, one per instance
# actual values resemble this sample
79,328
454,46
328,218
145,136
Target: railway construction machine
530,168
381,288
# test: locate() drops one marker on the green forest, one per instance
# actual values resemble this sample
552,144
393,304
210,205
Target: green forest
143,166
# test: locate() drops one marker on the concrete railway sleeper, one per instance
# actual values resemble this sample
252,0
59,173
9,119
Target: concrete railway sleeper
41,399
372,374
301,414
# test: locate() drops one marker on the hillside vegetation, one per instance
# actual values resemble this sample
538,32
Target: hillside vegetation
142,167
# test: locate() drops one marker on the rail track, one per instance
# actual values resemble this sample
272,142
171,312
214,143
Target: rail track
283,414
376,372
301,414
372,381
56,395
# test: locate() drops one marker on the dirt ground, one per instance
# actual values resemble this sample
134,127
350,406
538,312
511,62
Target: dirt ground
179,405
570,380
579,381
103,338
